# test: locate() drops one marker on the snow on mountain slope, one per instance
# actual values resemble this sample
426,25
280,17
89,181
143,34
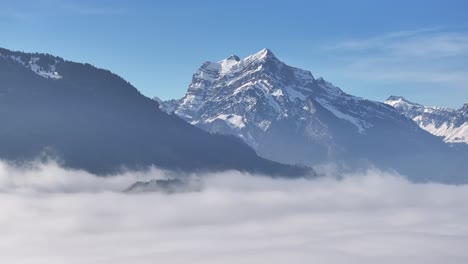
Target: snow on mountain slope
451,124
43,65
287,115
246,97
169,106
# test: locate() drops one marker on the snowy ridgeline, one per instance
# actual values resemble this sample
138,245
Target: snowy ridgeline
451,124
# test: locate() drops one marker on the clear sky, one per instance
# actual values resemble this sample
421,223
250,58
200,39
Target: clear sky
418,49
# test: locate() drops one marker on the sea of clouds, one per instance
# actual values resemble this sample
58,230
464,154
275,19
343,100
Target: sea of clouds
51,215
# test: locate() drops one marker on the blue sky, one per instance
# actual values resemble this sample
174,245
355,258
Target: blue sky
418,49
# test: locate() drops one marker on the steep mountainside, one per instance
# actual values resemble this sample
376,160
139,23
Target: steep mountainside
289,116
451,124
94,120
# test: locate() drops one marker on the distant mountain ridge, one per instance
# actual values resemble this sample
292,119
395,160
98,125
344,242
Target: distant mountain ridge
92,119
451,124
289,116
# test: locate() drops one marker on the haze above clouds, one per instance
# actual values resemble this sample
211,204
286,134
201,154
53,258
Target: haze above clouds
52,215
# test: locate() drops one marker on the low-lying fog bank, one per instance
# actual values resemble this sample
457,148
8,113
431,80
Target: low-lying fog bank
51,215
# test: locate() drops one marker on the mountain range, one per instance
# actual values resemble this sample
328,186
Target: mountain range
448,123
288,115
255,114
92,119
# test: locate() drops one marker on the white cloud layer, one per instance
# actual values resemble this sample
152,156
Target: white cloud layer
51,215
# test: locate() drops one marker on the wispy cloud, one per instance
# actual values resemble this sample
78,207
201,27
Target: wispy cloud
432,45
395,69
379,41
433,42
428,56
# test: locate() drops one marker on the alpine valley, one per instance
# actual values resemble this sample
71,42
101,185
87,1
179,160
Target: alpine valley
288,115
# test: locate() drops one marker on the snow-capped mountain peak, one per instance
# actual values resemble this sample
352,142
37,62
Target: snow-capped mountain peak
227,64
400,101
451,124
287,115
245,97
465,107
262,55
234,57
